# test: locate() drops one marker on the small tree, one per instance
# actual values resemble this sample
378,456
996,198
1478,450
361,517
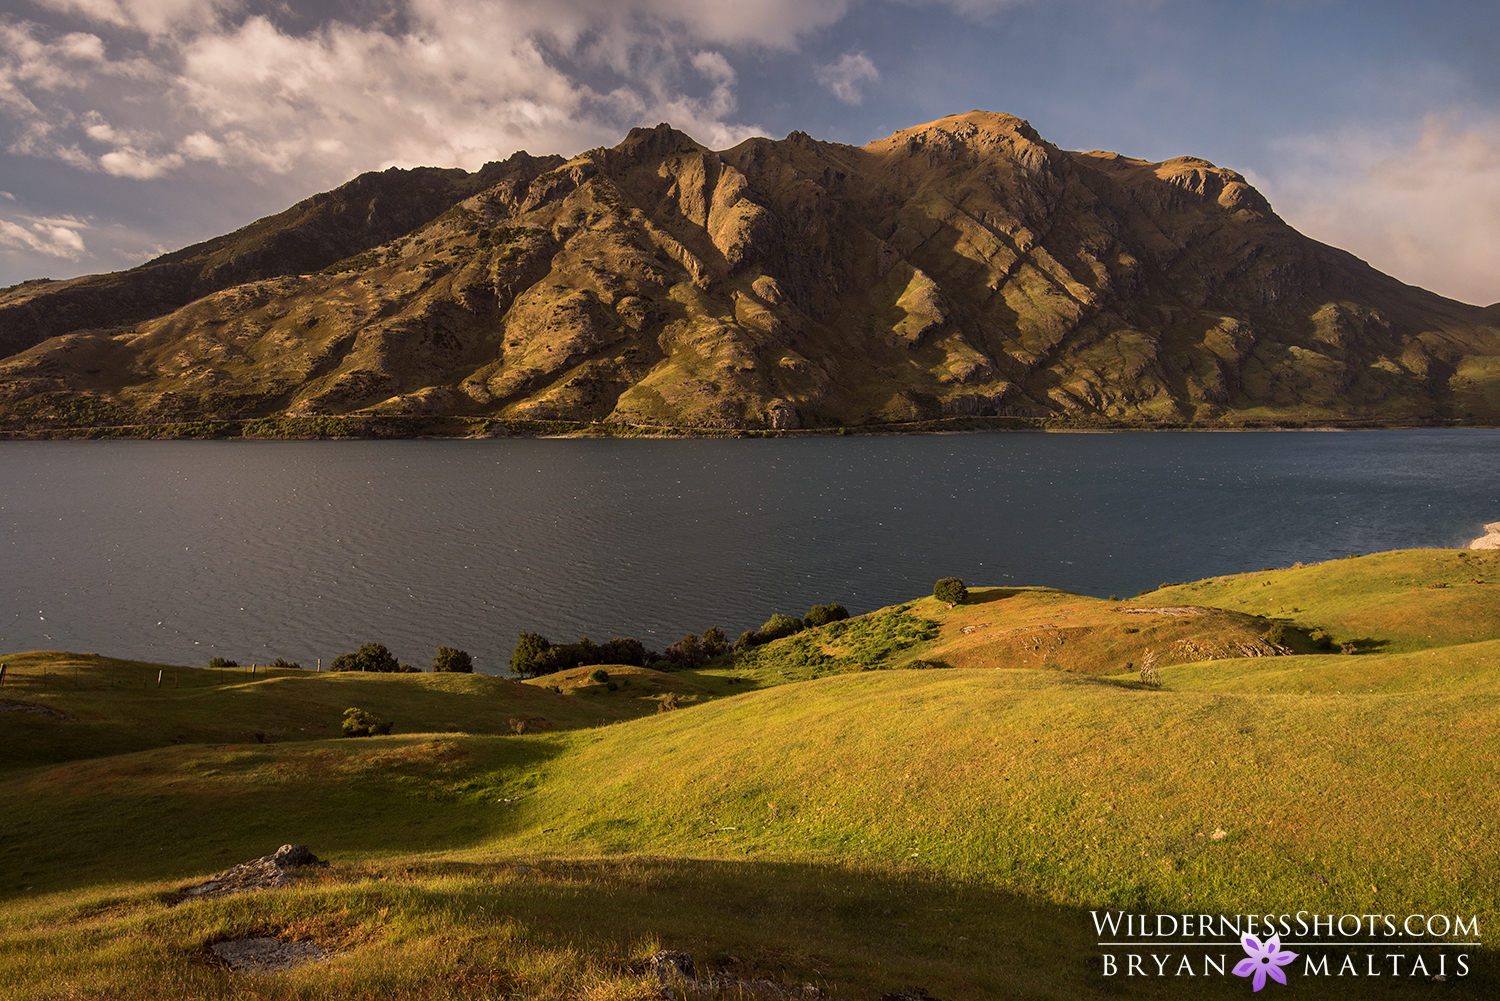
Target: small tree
951,591
370,657
524,660
452,661
686,652
221,662
358,723
599,676
714,642
821,615
776,627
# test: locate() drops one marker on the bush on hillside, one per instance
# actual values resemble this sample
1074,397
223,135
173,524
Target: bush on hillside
1321,639
532,646
951,591
599,676
452,661
746,640
714,642
221,662
359,723
777,627
535,655
821,615
370,657
287,665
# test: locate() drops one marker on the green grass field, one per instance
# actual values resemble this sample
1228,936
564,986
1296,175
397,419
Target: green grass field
812,812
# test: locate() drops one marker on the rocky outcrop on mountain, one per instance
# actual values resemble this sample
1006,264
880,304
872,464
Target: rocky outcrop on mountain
309,236
961,268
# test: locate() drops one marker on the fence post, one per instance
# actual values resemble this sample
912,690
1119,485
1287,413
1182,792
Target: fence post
2,674
158,676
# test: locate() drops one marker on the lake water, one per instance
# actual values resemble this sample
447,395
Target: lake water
180,551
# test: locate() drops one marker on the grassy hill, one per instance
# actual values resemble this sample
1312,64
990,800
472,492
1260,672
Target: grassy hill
835,808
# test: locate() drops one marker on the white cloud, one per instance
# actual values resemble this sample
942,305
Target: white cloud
155,85
152,17
52,237
844,77
1421,203
127,161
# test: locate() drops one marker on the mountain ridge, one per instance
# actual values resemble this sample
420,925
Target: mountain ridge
961,268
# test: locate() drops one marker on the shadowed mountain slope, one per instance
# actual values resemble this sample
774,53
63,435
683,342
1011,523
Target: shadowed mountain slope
960,268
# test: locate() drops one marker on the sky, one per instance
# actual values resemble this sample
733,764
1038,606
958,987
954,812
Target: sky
134,127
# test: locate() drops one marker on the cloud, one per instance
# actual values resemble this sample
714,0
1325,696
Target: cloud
165,83
844,77
52,237
1421,203
152,17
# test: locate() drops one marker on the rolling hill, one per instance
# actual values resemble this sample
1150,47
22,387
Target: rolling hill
869,827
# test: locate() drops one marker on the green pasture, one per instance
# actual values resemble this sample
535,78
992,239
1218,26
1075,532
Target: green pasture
811,812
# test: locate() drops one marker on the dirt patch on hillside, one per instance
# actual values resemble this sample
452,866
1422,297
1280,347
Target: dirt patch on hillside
268,955
9,706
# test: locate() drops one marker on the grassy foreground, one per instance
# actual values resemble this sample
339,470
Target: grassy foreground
813,812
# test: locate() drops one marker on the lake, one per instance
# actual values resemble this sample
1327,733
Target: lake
181,551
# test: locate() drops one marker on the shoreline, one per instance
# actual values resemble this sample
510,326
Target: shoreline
398,427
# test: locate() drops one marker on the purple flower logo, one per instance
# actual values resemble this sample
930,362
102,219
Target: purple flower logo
1264,960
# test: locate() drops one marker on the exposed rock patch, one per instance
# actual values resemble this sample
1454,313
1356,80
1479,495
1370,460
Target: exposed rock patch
1164,610
1491,538
261,874
268,955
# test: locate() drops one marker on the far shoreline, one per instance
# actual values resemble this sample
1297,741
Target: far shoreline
356,427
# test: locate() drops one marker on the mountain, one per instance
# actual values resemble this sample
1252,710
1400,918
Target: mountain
965,267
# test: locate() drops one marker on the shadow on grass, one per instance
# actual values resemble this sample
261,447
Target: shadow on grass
988,595
1124,684
189,812
853,933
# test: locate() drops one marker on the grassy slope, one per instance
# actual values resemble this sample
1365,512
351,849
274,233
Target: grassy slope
868,831
115,706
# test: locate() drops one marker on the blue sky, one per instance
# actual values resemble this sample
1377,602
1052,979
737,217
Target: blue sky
130,127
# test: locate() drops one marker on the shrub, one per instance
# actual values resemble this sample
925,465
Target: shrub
1276,635
370,657
714,642
1321,639
452,661
524,660
221,662
821,615
746,640
951,591
623,650
599,676
287,665
776,627
685,653
358,723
